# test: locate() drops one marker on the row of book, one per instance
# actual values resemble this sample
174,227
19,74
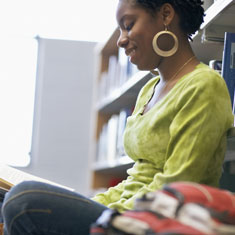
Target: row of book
110,141
120,69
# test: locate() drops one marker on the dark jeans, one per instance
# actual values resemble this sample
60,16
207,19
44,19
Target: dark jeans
37,208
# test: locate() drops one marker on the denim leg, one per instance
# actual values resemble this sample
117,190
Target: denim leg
38,208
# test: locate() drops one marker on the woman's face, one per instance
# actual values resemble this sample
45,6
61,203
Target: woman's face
137,29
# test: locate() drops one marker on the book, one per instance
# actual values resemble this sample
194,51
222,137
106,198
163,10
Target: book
102,145
123,115
112,128
234,107
106,143
228,63
10,176
123,62
113,74
103,86
216,65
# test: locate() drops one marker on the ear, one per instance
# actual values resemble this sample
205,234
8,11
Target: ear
167,12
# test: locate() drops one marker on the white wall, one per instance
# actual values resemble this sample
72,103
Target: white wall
61,128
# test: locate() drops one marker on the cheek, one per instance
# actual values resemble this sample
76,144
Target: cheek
147,58
142,41
133,36
151,58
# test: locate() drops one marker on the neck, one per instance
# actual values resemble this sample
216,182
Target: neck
176,68
169,66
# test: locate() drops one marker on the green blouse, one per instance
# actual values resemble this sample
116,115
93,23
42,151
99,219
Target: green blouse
182,138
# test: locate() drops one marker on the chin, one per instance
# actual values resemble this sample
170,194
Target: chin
145,67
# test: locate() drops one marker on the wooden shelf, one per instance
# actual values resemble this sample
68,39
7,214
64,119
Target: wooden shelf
126,95
111,46
104,172
120,163
219,18
220,13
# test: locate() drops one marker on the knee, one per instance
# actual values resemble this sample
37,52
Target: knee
21,189
20,197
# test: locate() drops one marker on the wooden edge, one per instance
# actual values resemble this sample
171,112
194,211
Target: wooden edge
1,229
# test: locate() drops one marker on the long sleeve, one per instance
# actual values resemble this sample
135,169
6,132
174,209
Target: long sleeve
117,196
113,194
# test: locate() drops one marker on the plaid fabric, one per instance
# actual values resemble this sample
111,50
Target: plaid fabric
179,208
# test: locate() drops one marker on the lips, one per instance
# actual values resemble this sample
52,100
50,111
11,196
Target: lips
130,52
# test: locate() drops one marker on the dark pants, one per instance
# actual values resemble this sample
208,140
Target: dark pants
37,208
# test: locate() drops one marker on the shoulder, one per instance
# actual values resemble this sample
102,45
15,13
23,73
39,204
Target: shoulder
203,85
203,78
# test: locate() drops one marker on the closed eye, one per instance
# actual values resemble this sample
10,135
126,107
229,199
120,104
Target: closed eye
129,26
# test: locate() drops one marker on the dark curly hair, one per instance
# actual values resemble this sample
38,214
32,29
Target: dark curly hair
191,12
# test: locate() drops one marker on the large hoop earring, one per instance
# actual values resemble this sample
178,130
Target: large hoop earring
161,52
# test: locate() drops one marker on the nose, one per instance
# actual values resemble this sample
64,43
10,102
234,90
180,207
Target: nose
122,40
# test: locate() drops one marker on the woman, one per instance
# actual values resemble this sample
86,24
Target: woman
177,131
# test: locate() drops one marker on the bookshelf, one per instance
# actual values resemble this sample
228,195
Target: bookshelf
208,41
207,44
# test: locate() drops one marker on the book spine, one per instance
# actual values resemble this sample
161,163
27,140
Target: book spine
234,107
106,143
228,63
123,115
216,65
